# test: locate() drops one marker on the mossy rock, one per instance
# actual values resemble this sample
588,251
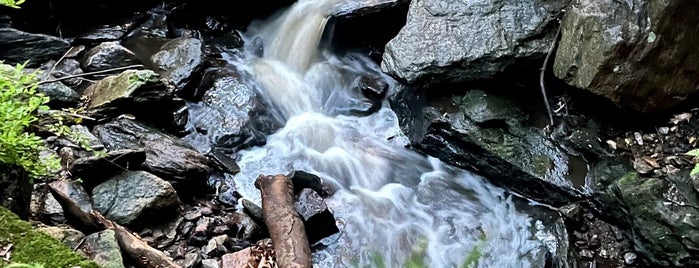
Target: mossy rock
32,246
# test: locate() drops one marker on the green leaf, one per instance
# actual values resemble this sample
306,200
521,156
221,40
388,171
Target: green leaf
695,171
694,153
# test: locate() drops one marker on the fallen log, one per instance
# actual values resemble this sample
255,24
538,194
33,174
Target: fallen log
142,254
283,222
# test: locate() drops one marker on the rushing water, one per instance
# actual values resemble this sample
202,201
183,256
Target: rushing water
392,205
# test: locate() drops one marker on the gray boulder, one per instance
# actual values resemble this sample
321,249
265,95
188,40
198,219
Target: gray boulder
134,197
449,40
178,59
108,55
640,54
103,248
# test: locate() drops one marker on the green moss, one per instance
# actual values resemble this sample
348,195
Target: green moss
628,178
540,164
33,246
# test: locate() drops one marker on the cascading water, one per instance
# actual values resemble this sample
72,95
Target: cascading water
393,205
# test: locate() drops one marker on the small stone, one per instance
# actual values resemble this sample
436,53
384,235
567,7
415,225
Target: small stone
611,144
237,259
220,229
586,254
594,241
638,138
648,137
192,215
192,259
186,227
201,231
664,130
206,211
210,263
641,166
216,246
629,258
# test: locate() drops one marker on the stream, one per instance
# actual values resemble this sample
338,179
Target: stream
394,207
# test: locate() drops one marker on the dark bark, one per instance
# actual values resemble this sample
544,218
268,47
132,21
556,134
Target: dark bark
283,222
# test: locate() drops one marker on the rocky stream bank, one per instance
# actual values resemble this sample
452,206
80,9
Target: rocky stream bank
165,114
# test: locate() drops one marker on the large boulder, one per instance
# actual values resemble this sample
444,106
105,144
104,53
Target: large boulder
466,40
17,47
493,135
640,54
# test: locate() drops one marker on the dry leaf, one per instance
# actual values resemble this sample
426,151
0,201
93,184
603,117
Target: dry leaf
650,161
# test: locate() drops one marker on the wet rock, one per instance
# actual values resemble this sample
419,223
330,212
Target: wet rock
245,227
108,55
45,207
59,94
254,211
372,88
317,217
135,197
15,190
586,254
76,192
67,235
95,169
663,214
178,59
231,114
166,155
467,40
166,234
257,47
490,134
301,179
225,162
104,33
17,47
629,46
351,9
192,215
130,84
103,248
66,67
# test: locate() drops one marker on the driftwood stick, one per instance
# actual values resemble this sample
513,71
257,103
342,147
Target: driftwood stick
283,222
144,255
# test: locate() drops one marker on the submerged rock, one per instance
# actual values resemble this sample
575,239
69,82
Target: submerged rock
467,40
318,220
640,54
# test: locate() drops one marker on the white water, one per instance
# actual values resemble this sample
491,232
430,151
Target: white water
391,203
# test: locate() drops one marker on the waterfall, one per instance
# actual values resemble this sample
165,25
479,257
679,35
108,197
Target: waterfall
392,205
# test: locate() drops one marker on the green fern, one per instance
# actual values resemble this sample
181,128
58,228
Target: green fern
11,3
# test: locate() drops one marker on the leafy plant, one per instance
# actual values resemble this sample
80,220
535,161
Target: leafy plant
11,3
19,108
694,153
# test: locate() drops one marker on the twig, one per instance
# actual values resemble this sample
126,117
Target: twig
70,114
59,61
82,241
91,73
543,74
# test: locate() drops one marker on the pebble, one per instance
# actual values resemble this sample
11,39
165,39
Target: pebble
639,139
629,258
210,263
586,254
664,130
